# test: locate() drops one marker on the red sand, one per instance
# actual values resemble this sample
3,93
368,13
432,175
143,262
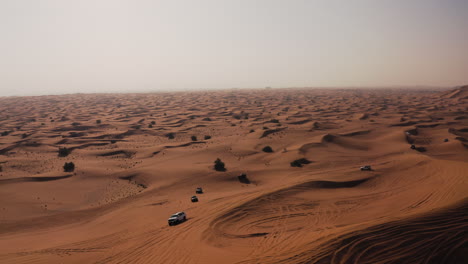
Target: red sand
130,177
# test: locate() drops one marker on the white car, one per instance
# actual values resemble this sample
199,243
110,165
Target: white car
177,218
366,168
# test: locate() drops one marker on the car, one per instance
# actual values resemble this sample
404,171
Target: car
177,218
199,190
366,168
194,199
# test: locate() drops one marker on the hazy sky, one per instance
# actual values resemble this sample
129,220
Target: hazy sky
65,46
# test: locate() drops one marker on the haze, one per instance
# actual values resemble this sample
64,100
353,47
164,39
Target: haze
56,47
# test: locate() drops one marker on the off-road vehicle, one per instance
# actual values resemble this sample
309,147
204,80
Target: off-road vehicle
366,168
177,218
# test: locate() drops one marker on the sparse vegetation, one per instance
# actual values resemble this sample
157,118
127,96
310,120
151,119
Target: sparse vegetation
63,152
113,141
5,133
170,135
251,131
207,137
219,165
194,138
153,122
98,121
68,167
300,162
150,126
243,178
267,149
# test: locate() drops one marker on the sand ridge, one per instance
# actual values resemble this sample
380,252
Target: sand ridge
139,158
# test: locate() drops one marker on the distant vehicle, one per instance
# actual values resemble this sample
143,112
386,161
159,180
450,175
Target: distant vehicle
177,218
194,199
199,190
366,168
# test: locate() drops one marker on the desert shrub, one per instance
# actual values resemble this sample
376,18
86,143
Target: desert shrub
150,126
24,135
251,131
274,121
206,119
233,124
98,121
1,168
267,149
113,141
5,133
207,137
299,162
63,152
194,138
170,135
265,128
42,124
153,122
219,165
68,167
243,178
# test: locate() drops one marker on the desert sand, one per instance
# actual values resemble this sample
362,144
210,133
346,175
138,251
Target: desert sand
131,175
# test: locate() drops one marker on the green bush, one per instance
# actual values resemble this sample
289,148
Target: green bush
267,149
63,152
219,165
69,167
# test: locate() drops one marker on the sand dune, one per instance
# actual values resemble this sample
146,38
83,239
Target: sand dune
139,157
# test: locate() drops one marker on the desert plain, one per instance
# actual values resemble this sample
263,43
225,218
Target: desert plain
139,158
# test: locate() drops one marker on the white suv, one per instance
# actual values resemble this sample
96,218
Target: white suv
177,218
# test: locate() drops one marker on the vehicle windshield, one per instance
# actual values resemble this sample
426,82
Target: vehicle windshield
174,215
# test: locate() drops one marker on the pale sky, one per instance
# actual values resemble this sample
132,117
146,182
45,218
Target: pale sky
88,46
